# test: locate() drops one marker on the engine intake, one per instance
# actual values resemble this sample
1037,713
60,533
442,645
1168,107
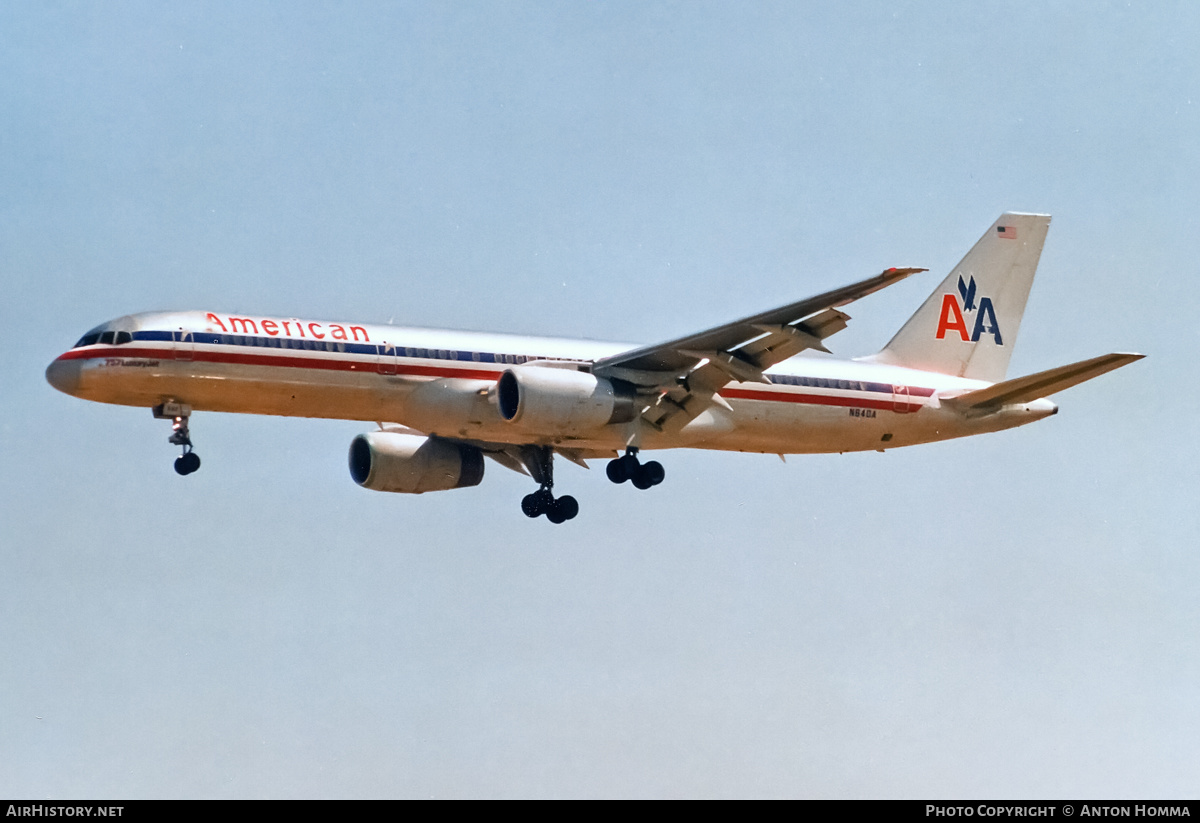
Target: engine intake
413,464
547,400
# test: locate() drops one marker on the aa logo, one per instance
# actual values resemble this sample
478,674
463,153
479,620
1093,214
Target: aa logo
953,317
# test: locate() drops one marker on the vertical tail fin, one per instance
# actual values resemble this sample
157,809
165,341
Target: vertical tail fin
969,324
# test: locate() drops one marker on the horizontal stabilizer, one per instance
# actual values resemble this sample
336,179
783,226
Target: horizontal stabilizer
1035,386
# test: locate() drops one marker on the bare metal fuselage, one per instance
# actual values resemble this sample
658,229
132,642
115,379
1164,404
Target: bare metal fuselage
443,383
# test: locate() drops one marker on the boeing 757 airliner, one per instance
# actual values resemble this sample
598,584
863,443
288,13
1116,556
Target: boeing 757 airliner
447,399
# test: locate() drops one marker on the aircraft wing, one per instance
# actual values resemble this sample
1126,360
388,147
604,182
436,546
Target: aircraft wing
682,377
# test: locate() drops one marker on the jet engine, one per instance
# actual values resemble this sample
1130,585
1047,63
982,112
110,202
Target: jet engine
544,400
413,464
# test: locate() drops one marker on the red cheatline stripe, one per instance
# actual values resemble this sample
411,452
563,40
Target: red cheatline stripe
124,351
781,395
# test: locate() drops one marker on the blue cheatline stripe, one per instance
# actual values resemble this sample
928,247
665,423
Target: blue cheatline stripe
340,347
830,383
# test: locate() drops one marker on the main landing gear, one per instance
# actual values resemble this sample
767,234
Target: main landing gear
628,467
540,462
556,509
178,414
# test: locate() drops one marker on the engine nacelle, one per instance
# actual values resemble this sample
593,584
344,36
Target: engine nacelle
544,400
413,464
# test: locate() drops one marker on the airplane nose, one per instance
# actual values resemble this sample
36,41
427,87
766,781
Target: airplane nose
64,375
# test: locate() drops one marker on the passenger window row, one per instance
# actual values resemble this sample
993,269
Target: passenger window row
825,383
335,346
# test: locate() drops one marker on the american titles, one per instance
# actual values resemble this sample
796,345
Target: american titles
274,328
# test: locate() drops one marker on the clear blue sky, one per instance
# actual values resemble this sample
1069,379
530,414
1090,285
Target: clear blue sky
1013,615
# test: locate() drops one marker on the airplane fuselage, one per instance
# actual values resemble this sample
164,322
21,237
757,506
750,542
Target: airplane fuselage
443,383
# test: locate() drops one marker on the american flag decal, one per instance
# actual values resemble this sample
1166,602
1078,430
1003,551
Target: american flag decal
1007,232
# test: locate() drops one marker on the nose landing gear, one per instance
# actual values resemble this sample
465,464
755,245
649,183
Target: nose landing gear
628,467
178,414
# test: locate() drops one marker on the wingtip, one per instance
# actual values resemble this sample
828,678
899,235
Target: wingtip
1127,357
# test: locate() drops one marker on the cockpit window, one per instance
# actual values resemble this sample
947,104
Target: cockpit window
106,338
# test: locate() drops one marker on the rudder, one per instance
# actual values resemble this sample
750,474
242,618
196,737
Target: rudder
968,326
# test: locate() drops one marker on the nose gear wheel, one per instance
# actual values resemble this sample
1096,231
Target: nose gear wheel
179,414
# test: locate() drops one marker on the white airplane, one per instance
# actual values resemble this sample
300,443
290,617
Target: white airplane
454,397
